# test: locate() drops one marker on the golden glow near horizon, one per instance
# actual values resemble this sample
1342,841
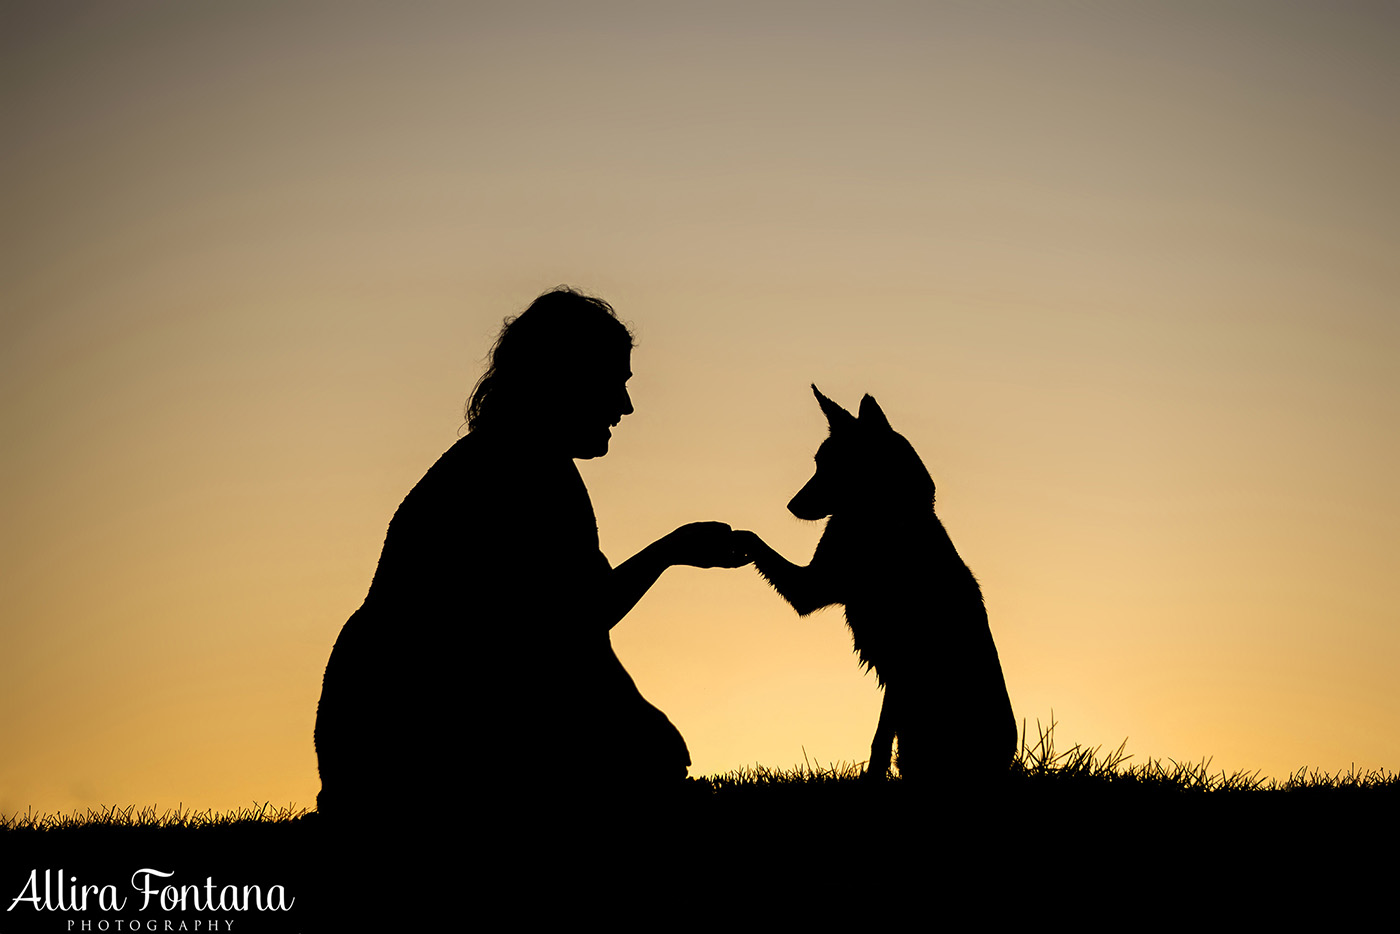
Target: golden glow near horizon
1125,279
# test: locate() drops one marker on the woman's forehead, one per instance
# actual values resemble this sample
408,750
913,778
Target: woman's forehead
616,363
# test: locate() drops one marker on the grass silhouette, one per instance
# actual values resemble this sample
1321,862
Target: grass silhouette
1040,767
178,818
1091,767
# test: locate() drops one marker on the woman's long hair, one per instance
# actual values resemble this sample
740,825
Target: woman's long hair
562,332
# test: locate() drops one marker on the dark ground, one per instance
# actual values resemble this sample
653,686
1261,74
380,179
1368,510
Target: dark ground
797,855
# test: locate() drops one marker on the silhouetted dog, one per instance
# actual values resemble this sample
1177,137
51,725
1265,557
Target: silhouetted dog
914,608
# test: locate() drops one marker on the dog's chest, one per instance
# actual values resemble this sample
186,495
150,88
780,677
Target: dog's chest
902,585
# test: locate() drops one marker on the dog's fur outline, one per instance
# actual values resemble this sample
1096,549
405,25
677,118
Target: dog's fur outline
914,609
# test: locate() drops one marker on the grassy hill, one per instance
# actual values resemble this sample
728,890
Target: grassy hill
1073,831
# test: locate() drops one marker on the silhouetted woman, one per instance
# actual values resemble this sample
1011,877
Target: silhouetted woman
481,655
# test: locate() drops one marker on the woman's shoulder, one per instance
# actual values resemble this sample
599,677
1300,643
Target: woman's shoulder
499,457
482,468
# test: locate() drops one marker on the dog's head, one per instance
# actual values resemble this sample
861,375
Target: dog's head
863,464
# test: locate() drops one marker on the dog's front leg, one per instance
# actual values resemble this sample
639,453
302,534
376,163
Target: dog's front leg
806,588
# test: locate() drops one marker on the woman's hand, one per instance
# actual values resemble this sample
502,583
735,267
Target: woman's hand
708,545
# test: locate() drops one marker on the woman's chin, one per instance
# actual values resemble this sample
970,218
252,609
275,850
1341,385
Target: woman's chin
595,445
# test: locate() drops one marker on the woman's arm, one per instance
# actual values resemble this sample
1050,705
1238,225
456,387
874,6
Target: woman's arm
699,544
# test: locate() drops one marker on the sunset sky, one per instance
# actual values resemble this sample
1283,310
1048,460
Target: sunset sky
1124,274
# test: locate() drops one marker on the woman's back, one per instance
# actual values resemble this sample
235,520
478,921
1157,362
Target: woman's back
481,634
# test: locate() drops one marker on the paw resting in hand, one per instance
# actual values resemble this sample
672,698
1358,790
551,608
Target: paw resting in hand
707,545
749,545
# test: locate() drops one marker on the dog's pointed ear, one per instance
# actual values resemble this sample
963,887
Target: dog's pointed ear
835,415
871,415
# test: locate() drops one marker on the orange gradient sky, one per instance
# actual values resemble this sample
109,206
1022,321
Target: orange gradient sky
1125,275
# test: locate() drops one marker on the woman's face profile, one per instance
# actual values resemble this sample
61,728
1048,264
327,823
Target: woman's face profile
594,401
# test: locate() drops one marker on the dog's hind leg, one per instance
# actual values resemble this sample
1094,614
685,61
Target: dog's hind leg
885,731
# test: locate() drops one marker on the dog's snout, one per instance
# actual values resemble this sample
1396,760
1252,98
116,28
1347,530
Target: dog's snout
809,503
